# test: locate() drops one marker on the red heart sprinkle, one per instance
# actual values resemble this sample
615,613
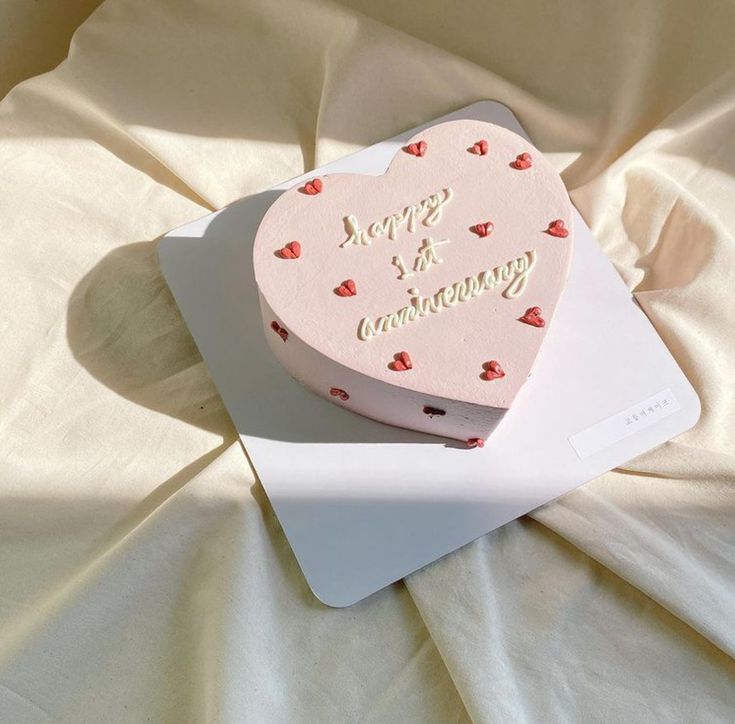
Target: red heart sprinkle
402,362
475,442
279,330
484,229
292,250
336,392
480,148
346,289
493,370
417,149
533,317
557,228
523,161
313,187
431,411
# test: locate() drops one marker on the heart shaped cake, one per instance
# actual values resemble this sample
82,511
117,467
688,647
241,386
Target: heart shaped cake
419,298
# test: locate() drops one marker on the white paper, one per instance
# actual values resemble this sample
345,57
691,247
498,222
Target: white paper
623,424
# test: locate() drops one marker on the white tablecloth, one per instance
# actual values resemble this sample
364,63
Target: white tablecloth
144,576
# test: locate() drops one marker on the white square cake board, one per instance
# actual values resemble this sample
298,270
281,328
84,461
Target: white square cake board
364,504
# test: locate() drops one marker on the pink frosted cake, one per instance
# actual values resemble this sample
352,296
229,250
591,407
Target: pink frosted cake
419,298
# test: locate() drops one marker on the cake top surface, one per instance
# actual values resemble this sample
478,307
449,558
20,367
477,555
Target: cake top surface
440,275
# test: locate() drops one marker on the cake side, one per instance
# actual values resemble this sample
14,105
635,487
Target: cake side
375,398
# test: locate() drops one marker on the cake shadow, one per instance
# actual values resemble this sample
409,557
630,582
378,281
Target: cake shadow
125,328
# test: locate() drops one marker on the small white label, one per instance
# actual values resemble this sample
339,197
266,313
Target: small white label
623,424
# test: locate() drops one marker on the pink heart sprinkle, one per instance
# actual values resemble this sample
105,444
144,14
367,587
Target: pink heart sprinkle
346,289
313,187
557,228
402,362
484,229
523,161
417,149
533,317
292,250
336,392
279,330
493,370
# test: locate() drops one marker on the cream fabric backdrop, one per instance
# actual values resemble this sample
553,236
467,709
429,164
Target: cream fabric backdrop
144,576
34,36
